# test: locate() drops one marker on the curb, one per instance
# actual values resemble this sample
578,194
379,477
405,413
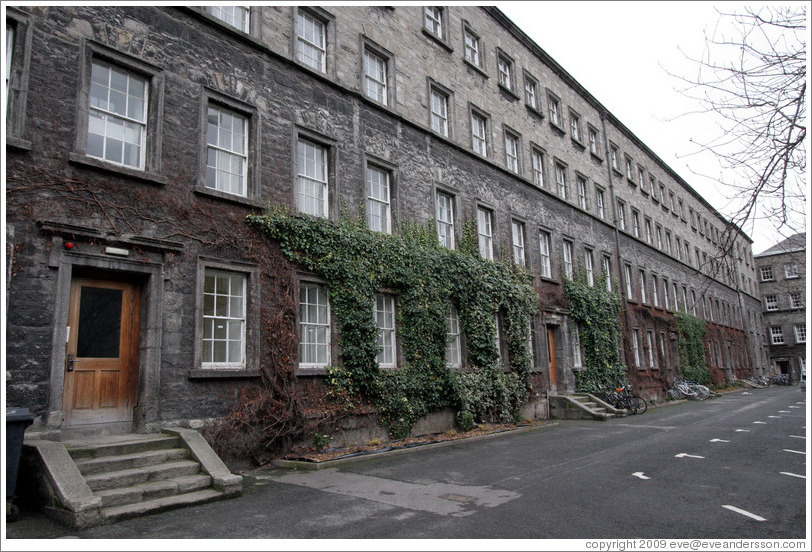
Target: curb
363,456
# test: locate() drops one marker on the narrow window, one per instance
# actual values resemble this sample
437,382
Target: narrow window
577,361
453,358
314,326
511,152
312,179
643,298
666,301
588,268
531,92
575,127
439,112
636,346
593,141
223,319
236,16
554,107
648,230
800,333
478,134
561,180
379,212
385,322
659,233
581,183
629,175
434,21
544,249
445,219
599,200
505,71
375,77
636,223
311,36
655,291
538,168
518,243
651,355
485,233
606,265
472,48
621,214
117,119
227,151
567,249
613,158
627,269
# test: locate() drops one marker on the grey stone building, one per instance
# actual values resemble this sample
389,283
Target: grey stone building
782,281
139,138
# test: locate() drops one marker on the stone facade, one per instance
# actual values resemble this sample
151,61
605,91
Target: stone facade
782,281
158,226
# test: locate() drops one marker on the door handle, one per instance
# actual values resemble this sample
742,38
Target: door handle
71,362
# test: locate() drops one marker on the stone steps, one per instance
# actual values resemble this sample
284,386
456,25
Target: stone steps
141,474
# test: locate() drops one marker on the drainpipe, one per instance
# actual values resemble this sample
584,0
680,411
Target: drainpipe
613,199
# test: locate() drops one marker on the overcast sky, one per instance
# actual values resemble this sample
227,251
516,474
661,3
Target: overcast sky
620,51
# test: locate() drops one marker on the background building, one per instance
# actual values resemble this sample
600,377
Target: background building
782,281
139,138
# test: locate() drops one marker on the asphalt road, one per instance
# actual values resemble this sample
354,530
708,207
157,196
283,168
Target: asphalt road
729,467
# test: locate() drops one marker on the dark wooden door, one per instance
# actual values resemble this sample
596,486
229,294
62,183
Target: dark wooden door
552,357
102,351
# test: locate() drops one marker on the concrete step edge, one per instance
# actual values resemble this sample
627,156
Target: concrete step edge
130,477
158,442
150,490
115,513
93,466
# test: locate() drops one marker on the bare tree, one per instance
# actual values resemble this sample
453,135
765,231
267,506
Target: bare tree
753,84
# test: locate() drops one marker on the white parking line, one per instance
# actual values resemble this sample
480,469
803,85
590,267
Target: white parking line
799,436
795,451
793,474
759,422
719,441
743,512
640,475
783,411
793,406
773,416
747,430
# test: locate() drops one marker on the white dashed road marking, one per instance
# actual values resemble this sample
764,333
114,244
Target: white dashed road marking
798,436
686,455
795,451
747,430
743,512
793,474
759,422
773,416
640,475
719,441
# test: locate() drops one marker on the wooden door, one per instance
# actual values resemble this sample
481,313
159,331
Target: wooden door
552,357
102,351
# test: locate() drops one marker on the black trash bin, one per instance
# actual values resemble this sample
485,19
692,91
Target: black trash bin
17,419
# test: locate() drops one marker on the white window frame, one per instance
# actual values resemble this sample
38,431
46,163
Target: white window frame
776,335
627,270
606,266
561,180
654,291
225,153
566,247
554,108
636,347
652,362
636,223
577,357
512,152
766,273
531,92
593,141
104,116
453,347
230,311
434,21
379,194
643,296
621,213
484,227
445,219
771,302
504,69
600,202
376,76
589,268
800,333
308,177
312,328
575,126
581,184
790,270
517,229
311,38
544,250
438,109
666,300
795,301
473,50
384,313
537,157
479,133
229,14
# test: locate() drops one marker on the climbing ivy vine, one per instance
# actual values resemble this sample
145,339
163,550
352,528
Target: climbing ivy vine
596,311
691,349
426,279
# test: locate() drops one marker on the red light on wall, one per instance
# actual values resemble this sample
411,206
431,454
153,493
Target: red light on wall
68,245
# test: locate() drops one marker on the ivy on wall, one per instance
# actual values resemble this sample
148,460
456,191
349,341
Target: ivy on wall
426,279
691,348
596,311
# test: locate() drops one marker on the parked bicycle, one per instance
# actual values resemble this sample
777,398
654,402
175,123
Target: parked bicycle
623,399
689,390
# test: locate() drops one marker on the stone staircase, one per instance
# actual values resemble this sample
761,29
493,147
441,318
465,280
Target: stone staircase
141,476
582,406
103,480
